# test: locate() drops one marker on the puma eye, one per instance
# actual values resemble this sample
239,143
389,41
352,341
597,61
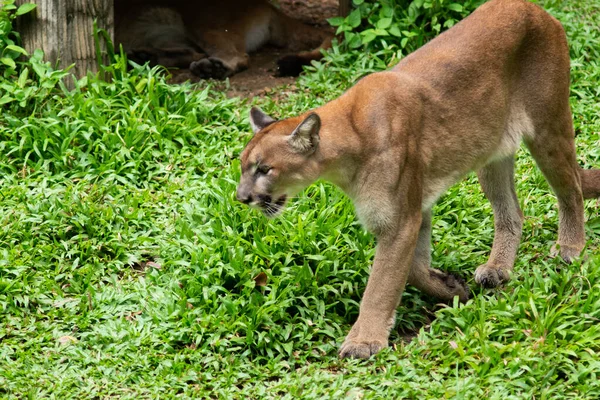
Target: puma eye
263,169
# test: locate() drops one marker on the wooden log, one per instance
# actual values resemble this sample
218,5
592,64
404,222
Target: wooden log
345,7
64,30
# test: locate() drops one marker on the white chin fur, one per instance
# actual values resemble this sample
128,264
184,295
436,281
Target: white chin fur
255,205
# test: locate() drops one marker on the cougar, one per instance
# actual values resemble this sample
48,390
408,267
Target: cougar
213,38
396,140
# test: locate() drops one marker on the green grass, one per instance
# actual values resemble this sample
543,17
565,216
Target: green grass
127,269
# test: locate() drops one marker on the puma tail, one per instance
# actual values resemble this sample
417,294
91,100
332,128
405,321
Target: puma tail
590,183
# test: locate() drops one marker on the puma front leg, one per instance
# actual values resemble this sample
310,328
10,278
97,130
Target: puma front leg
443,285
391,268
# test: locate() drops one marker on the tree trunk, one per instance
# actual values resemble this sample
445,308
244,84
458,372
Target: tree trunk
64,30
345,6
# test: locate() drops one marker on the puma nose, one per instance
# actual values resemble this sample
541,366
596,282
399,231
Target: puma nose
246,200
244,197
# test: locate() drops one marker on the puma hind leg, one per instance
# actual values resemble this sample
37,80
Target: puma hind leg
553,149
497,182
170,57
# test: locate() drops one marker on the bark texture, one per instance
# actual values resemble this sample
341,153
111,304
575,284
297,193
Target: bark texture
345,6
64,30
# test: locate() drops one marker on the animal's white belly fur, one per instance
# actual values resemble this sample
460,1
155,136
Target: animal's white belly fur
258,35
519,125
437,187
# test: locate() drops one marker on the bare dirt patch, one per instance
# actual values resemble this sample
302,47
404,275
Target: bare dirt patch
313,12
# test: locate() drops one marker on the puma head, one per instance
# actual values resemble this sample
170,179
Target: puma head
279,161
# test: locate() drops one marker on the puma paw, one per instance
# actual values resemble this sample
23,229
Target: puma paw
210,67
568,252
460,286
491,276
360,349
455,285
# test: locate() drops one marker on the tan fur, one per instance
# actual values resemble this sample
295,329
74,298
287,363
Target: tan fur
397,139
213,38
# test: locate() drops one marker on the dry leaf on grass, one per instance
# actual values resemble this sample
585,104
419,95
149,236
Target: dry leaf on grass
260,279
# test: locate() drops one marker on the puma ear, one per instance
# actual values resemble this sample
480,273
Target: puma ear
305,137
259,120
